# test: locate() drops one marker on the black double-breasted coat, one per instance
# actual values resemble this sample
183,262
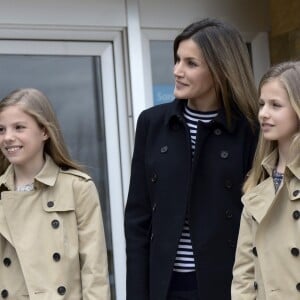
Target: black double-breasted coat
167,183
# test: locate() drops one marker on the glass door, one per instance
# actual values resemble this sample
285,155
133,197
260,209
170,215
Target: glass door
79,80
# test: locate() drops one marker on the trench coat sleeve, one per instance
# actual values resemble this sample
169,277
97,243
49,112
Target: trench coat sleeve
138,220
92,246
243,270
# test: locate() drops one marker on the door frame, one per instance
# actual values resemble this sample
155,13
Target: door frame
116,110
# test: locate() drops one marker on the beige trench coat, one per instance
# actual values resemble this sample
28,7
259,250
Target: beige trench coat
52,243
267,265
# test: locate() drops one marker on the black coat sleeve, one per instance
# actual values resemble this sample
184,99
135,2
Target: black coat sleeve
138,220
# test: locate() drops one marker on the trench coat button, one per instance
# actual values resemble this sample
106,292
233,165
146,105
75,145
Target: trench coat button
228,214
296,193
228,184
254,251
296,214
224,154
164,149
154,207
6,262
255,285
55,224
61,290
298,286
56,256
50,203
295,251
217,131
154,178
4,293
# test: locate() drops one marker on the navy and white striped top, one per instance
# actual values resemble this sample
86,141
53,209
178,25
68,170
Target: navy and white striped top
185,261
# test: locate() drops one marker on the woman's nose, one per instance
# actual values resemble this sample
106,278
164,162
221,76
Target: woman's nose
177,71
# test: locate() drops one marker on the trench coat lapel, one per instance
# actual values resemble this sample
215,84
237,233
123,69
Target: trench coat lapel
260,199
6,183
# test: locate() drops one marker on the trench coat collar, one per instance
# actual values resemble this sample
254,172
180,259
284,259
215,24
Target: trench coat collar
260,198
292,168
175,115
47,175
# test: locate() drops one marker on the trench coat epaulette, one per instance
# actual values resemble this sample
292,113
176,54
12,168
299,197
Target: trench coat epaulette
67,170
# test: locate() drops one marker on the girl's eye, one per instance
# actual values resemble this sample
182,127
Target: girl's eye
192,64
2,129
261,104
276,104
20,127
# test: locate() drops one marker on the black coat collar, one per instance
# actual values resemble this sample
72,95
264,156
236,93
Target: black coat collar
175,116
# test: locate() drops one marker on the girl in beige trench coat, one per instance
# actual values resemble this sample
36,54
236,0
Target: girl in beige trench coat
52,243
267,264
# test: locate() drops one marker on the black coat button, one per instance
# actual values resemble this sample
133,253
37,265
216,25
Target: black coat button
4,293
6,262
231,243
154,178
254,251
50,203
55,224
61,290
228,214
296,193
255,285
224,154
56,256
296,214
154,207
217,131
164,149
228,184
298,286
295,251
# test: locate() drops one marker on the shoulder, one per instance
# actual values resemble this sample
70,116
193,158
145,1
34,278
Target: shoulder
160,115
161,110
74,174
68,175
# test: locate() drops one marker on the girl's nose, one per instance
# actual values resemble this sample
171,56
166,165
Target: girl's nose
263,112
9,136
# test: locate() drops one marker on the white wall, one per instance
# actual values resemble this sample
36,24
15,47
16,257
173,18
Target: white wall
248,16
105,13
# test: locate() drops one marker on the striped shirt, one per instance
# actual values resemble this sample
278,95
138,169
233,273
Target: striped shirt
185,261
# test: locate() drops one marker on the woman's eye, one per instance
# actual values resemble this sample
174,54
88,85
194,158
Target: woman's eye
20,127
2,129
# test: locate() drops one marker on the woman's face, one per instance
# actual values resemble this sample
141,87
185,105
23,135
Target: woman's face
277,118
193,79
21,139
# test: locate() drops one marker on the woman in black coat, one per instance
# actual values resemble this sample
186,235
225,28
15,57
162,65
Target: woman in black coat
190,159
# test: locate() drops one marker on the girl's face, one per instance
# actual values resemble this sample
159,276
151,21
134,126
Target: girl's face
193,79
277,118
21,139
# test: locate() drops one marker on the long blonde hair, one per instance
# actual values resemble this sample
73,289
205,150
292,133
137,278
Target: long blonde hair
288,73
228,59
34,103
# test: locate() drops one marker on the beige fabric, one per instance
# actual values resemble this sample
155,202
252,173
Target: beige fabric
60,218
